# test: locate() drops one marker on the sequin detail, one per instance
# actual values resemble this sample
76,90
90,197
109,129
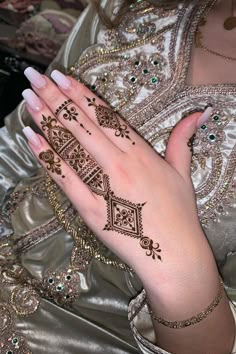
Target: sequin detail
61,287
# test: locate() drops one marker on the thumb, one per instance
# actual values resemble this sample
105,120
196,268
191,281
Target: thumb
178,151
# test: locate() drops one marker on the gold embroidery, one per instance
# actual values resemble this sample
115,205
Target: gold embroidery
24,300
11,342
117,64
61,287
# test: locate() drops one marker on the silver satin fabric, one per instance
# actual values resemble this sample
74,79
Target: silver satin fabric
98,320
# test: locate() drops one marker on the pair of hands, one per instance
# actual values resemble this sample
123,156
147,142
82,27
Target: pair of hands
140,205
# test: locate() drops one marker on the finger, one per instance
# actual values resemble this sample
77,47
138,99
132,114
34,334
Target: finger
179,147
67,146
58,136
98,111
77,191
74,119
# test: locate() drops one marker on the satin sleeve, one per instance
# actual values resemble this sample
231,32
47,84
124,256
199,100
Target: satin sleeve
142,328
16,159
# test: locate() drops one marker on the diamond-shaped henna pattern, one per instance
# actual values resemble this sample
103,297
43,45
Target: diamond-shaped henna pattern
123,216
126,218
107,118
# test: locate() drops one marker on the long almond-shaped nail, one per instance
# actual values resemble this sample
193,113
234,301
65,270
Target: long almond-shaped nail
35,78
62,80
204,117
32,100
32,137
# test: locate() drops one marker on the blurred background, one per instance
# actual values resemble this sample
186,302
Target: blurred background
31,33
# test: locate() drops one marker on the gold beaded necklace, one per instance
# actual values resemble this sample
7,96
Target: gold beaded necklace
199,36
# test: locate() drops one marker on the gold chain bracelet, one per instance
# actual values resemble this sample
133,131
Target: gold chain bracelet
195,319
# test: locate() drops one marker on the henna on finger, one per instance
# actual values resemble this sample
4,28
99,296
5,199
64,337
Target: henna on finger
52,162
107,118
69,112
72,152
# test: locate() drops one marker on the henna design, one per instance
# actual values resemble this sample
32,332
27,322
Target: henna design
191,143
53,163
107,118
152,247
69,149
125,218
69,113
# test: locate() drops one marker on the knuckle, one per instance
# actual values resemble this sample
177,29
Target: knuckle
52,95
66,180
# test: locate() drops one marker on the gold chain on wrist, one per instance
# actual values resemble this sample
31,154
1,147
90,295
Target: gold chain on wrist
195,319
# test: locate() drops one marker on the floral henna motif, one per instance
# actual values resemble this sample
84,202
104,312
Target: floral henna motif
69,113
53,163
107,118
153,248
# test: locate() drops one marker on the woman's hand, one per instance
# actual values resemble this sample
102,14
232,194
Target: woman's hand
140,205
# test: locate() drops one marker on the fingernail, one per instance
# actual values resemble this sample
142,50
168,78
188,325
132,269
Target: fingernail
61,80
32,137
32,100
204,117
35,78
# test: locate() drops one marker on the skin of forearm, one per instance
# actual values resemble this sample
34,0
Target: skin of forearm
184,289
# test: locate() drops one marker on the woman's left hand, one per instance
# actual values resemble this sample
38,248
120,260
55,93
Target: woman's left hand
140,205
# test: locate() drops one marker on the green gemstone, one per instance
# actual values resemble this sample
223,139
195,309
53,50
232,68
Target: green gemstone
216,117
137,63
14,341
155,62
133,79
203,127
154,80
131,6
212,137
51,280
145,71
93,87
139,1
60,287
68,277
9,352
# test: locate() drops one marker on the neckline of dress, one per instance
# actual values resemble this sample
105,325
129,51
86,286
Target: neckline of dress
198,13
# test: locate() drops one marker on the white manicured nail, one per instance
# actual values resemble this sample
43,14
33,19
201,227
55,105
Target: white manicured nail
32,100
35,78
62,80
32,137
204,117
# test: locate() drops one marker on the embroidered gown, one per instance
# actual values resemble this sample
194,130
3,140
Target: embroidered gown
62,291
